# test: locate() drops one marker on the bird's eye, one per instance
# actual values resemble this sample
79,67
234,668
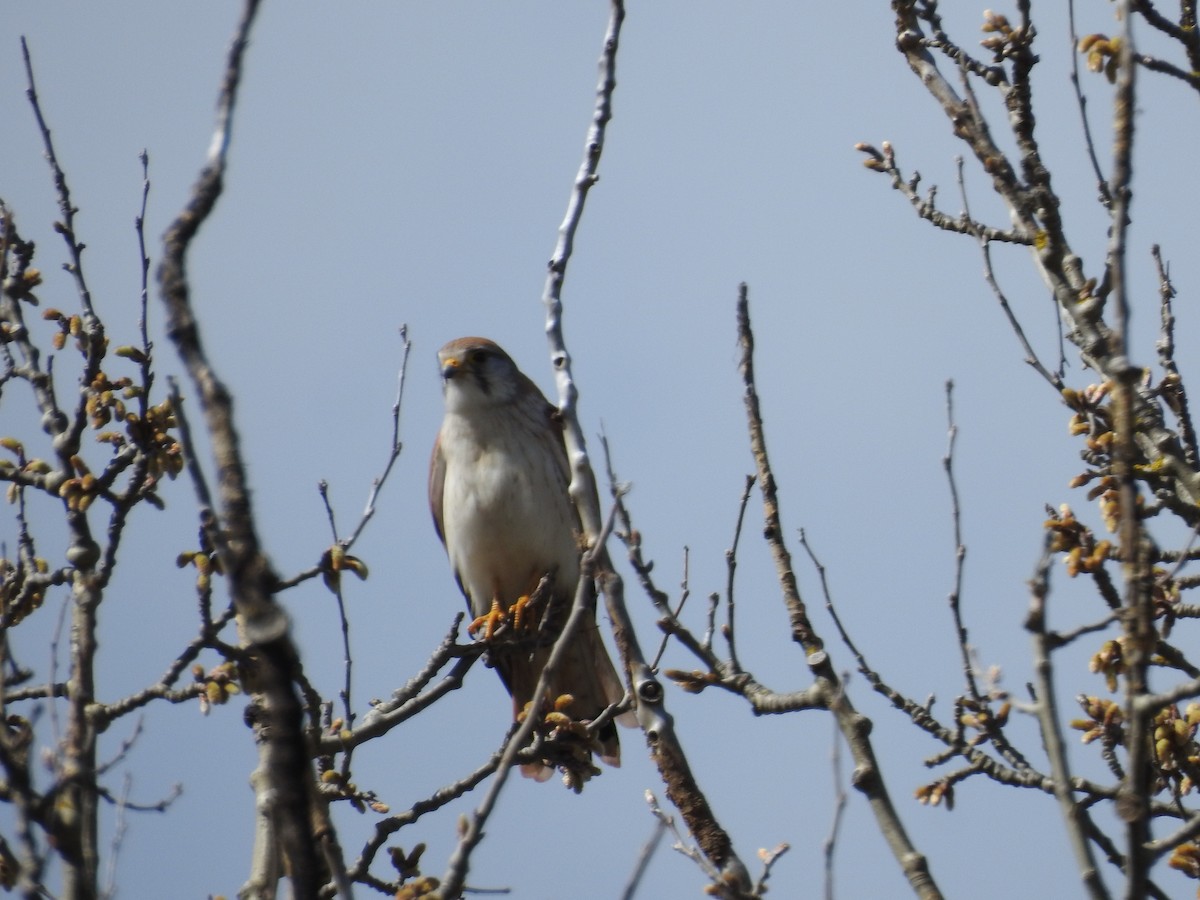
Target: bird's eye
478,356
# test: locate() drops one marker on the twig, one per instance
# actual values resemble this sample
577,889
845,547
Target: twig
1133,807
731,565
652,716
583,480
960,549
335,582
144,292
839,806
989,275
1056,639
397,444
120,826
884,160
77,840
666,751
66,208
680,846
409,701
710,626
769,858
1050,723
385,828
1171,388
684,584
284,779
1164,845
1102,190
802,630
643,859
854,726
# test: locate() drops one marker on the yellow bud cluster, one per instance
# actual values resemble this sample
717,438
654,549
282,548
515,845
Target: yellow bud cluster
336,560
1186,859
19,595
219,685
941,791
1174,743
424,887
68,326
1105,720
1109,661
205,564
693,682
152,433
79,492
1004,38
1103,54
1084,554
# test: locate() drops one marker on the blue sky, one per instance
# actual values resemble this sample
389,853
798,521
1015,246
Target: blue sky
409,164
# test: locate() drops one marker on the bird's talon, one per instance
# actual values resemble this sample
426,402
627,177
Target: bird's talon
518,612
489,622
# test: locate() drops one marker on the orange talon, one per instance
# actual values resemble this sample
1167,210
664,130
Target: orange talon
488,622
517,611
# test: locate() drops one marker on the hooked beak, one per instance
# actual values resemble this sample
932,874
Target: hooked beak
451,366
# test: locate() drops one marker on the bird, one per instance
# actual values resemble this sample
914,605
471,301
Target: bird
498,491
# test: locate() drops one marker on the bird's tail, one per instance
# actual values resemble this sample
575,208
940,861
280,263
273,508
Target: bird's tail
588,676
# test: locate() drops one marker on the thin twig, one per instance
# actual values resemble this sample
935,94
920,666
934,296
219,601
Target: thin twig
147,371
66,207
960,549
1139,623
385,828
643,859
1050,724
582,487
1105,196
854,726
829,847
397,444
284,778
989,275
731,567
120,827
684,585
1171,388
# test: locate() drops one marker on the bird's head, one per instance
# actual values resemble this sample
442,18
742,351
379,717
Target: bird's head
476,372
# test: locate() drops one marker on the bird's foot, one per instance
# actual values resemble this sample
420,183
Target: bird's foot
489,622
518,610
518,617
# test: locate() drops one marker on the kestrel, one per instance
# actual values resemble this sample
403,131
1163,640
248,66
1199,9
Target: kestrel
498,491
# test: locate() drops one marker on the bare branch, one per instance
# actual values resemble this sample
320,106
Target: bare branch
284,780
397,444
960,549
731,567
1081,101
583,480
989,274
643,860
829,847
1050,723
854,726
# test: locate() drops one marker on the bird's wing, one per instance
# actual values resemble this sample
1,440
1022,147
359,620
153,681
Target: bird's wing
554,415
437,483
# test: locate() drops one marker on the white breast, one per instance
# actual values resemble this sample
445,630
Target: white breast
506,515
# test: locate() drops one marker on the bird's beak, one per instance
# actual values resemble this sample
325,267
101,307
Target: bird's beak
451,366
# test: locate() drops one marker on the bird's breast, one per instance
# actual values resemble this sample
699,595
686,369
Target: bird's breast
506,514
